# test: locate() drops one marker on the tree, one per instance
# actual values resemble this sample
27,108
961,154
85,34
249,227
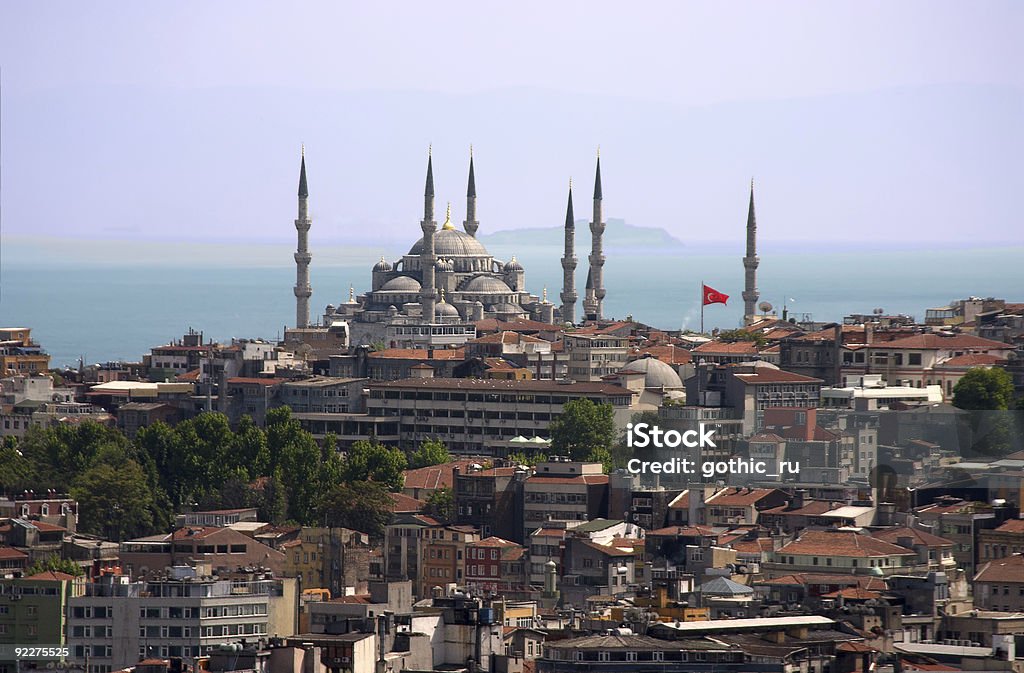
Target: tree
602,455
56,564
361,505
441,504
520,458
983,389
371,461
272,500
733,335
296,454
114,500
582,427
431,452
15,469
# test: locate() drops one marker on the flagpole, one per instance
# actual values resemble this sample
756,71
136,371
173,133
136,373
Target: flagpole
702,308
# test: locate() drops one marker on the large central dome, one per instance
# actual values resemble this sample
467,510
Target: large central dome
452,242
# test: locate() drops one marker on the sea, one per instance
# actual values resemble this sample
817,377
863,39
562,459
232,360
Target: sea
118,310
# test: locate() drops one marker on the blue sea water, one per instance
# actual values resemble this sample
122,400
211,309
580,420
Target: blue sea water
119,311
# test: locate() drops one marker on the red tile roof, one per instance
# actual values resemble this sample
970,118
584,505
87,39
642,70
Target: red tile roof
731,497
196,532
507,337
918,536
810,508
853,593
403,503
420,354
607,549
727,348
972,360
829,579
51,575
940,342
435,476
768,375
670,354
8,553
1012,526
842,543
688,531
1009,570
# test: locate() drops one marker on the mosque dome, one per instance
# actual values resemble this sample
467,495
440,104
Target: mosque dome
443,309
513,265
382,265
453,243
657,374
401,284
484,284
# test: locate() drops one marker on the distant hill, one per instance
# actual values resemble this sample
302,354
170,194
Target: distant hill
618,237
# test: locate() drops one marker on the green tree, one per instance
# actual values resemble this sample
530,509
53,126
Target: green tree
272,500
15,469
114,500
361,505
295,453
733,335
441,504
582,427
520,458
602,455
431,452
56,564
371,461
983,389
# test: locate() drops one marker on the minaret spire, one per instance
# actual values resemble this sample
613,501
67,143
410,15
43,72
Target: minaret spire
593,301
303,290
470,224
428,294
750,262
568,295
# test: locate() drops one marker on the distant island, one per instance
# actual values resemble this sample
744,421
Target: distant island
618,237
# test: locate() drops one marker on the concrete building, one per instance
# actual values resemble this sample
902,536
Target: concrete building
480,416
19,354
593,356
564,491
33,609
221,548
185,613
999,585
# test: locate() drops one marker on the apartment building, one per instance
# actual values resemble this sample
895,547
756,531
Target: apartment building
480,416
591,356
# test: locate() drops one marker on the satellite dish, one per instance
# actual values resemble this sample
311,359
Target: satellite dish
765,307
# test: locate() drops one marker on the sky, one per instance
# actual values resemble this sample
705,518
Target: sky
859,121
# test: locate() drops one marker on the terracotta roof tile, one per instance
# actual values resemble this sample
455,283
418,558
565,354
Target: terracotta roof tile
732,497
842,543
1009,570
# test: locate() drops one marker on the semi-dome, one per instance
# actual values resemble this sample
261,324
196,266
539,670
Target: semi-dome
484,284
401,284
657,374
382,265
507,308
513,265
453,242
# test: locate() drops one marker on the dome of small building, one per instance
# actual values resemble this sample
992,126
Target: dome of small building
382,265
330,308
401,284
656,373
513,265
453,242
484,284
443,309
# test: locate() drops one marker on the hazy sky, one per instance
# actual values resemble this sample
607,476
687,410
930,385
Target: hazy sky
860,120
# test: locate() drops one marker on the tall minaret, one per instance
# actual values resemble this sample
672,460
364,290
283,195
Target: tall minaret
595,312
750,293
568,295
302,257
471,225
428,259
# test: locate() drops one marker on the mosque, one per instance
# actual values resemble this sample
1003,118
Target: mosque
432,295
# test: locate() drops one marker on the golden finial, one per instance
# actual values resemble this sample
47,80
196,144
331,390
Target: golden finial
598,151
430,150
303,150
751,184
545,294
442,295
570,183
471,150
448,218
351,294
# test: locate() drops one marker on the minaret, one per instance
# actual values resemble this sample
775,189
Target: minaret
596,278
302,257
471,225
428,259
568,295
750,261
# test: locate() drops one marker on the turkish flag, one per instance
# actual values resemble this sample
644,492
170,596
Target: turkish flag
713,296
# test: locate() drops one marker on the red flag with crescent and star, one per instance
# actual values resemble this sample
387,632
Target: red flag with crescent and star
713,296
